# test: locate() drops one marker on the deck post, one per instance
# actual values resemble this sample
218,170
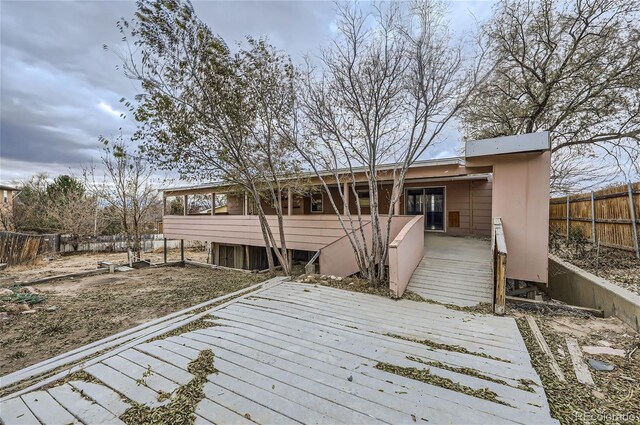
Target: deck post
184,206
634,224
501,283
499,253
246,204
289,202
182,250
164,252
213,203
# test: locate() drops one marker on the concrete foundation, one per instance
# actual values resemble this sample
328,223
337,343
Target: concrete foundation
575,286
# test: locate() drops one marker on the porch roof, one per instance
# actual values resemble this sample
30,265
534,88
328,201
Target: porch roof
428,163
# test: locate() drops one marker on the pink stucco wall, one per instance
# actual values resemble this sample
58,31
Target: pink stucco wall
338,258
521,200
405,254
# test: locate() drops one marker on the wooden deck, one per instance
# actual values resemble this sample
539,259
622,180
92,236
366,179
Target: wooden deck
454,270
298,353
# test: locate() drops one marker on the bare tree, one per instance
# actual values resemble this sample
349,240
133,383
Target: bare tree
126,187
384,91
208,112
569,67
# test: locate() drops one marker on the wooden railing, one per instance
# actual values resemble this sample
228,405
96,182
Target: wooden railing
499,252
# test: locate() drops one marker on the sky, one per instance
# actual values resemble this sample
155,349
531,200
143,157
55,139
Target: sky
60,90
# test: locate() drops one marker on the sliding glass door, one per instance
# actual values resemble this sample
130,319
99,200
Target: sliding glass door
434,200
430,202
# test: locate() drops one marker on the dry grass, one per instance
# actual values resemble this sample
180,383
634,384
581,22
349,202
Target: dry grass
615,393
92,308
619,267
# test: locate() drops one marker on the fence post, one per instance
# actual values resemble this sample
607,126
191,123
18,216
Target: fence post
568,224
593,217
164,249
634,225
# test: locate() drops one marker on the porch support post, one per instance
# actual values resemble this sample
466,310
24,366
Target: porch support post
182,250
396,207
345,190
246,204
164,252
213,203
184,206
289,202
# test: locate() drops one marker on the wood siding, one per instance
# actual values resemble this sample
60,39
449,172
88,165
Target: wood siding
302,232
468,200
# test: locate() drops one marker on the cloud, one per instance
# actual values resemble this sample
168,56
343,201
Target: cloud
108,109
60,89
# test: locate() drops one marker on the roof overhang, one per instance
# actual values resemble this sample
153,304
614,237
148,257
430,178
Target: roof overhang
521,143
456,161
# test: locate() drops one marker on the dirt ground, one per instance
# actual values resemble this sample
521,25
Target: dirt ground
615,398
92,308
618,266
76,262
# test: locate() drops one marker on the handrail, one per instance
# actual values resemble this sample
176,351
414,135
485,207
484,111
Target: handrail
499,252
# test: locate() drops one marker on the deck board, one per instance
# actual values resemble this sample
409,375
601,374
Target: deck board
299,353
454,270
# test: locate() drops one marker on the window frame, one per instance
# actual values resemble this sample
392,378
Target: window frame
367,197
316,202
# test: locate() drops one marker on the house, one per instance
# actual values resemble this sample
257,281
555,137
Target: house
6,206
504,178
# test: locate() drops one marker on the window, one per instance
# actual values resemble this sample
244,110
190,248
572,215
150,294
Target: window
5,197
365,201
316,202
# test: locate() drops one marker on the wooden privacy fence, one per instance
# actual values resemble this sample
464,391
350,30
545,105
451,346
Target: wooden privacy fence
23,248
609,216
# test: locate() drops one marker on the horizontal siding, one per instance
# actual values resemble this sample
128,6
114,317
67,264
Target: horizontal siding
308,233
482,197
470,198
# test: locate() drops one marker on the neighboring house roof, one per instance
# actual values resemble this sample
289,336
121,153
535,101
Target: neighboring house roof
11,188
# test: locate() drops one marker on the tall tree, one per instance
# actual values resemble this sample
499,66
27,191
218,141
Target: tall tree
31,206
383,92
61,206
125,188
71,210
571,67
209,113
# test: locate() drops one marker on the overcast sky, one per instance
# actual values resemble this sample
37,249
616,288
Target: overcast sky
60,90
